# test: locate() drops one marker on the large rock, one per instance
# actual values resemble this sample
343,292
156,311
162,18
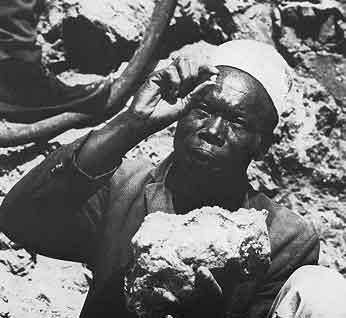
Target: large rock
305,169
312,36
99,35
310,138
168,248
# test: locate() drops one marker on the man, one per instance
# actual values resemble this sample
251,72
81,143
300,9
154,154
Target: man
84,202
24,83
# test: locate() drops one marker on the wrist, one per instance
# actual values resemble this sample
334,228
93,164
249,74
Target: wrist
140,126
135,119
106,147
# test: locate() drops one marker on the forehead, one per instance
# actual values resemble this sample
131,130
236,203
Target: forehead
233,92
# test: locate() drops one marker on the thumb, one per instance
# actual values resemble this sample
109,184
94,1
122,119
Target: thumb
209,294
206,72
193,99
207,284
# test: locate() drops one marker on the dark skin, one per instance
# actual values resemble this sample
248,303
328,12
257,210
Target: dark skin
223,124
225,129
221,128
216,141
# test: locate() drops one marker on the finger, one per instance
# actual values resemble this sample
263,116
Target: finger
209,293
187,69
208,69
169,298
206,282
175,112
171,83
192,74
163,305
188,74
197,95
207,72
148,94
174,80
168,303
155,314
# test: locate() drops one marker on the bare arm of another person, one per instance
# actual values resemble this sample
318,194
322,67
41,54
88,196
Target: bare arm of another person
56,208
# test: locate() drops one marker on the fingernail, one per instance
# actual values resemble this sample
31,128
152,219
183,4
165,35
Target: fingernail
170,297
213,78
176,93
215,70
204,271
172,91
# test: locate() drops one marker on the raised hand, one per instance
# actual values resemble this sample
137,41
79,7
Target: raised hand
166,94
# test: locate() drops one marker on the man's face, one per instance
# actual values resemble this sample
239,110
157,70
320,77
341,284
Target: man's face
223,132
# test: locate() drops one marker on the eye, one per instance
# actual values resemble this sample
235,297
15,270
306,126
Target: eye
201,113
238,122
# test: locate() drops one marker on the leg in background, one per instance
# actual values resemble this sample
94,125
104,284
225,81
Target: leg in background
311,292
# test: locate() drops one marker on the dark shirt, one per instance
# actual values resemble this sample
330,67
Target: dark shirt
66,214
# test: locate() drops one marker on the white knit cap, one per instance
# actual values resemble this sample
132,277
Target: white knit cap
261,61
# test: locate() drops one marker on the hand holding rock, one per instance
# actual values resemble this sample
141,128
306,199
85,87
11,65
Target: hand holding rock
174,257
207,300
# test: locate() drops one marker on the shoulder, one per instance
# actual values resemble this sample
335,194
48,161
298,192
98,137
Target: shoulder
294,239
132,168
283,222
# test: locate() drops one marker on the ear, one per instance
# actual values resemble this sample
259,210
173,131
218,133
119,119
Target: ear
259,156
265,143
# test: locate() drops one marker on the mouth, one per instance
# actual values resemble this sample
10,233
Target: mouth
202,158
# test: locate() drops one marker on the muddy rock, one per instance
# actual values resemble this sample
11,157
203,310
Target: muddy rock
168,248
330,71
310,137
18,262
312,37
255,23
304,169
96,37
14,259
4,306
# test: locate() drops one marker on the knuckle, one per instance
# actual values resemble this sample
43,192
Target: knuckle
168,70
194,65
175,80
152,75
181,60
183,64
157,75
177,60
171,67
185,59
204,68
172,72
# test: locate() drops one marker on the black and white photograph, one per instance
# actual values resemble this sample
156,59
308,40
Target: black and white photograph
172,159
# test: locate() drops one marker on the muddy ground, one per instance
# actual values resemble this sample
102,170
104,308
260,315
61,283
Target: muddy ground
304,170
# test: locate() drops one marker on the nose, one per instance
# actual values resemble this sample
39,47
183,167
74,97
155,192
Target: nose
214,133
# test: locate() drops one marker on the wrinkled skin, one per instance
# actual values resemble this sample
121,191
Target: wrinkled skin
215,142
223,130
223,125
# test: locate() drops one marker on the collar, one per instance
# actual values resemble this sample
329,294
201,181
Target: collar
159,198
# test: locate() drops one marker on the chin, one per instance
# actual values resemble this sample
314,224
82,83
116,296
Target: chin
200,172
